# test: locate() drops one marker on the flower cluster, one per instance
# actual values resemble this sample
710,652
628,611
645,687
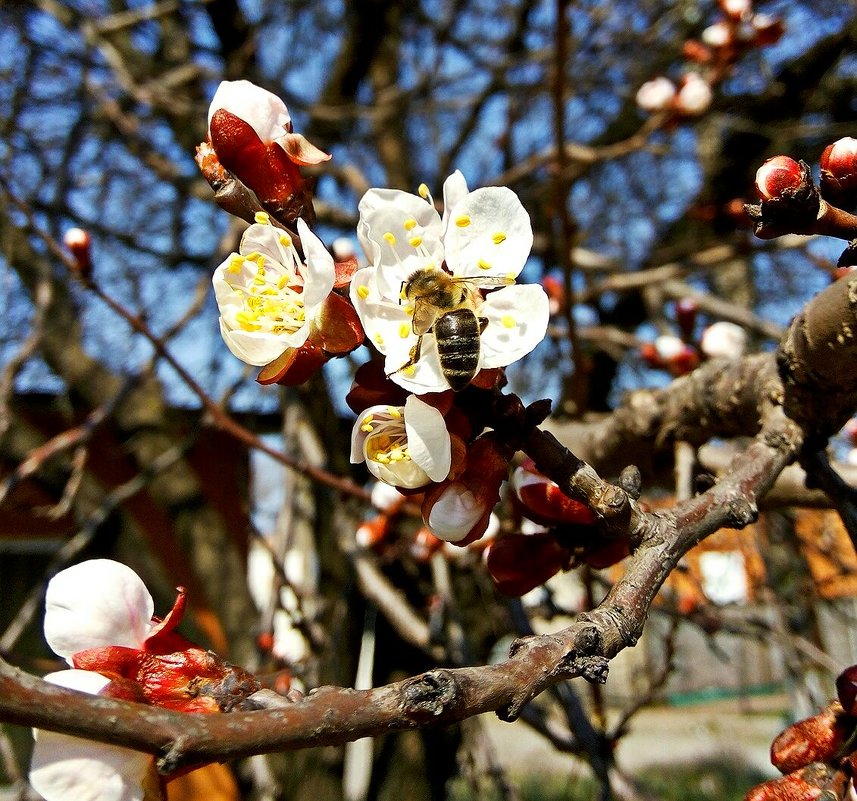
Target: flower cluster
680,353
99,618
721,45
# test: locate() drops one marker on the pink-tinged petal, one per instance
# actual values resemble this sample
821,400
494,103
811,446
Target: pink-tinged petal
517,321
65,768
96,603
319,272
262,110
301,151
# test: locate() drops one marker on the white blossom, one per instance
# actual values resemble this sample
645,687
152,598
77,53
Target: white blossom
485,234
404,446
268,298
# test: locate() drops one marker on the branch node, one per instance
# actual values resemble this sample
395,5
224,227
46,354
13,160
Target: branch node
173,759
430,695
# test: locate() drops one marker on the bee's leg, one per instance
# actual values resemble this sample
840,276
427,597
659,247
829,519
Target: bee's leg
483,324
413,357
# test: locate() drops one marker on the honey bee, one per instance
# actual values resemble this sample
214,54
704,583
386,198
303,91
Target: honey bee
446,306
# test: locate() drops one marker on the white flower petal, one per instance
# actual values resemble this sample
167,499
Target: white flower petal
319,272
454,189
386,211
405,474
454,514
96,603
262,110
498,235
259,348
428,440
426,375
517,321
65,768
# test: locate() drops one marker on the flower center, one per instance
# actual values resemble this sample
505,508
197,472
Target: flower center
387,442
271,292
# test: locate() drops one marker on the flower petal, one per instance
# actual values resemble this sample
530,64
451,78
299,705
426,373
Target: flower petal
497,238
517,322
385,211
259,347
454,189
454,513
428,440
259,108
319,272
96,603
301,151
65,768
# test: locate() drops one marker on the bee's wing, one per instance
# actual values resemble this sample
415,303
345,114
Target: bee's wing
424,316
485,282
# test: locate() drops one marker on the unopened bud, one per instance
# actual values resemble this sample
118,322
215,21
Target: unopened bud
694,97
78,242
717,35
769,30
723,340
736,8
454,513
814,739
656,95
778,176
839,171
846,689
686,310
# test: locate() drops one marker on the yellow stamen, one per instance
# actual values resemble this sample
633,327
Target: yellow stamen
463,221
262,217
409,224
394,412
484,265
389,238
363,291
415,241
235,263
285,240
379,340
424,191
367,428
499,237
404,330
508,321
409,310
409,370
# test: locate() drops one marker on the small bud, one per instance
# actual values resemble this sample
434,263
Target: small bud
777,176
78,242
839,171
846,689
718,35
372,533
723,340
813,739
694,97
696,51
769,30
656,95
686,310
668,346
736,8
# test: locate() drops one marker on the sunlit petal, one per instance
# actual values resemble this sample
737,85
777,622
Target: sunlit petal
96,603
